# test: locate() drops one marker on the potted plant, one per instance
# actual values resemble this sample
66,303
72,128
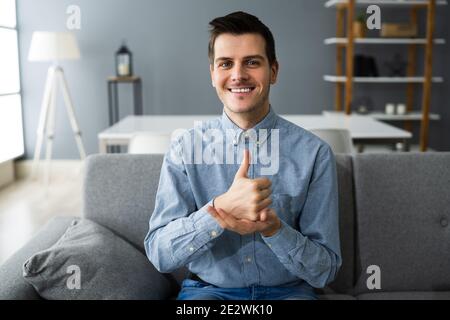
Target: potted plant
359,26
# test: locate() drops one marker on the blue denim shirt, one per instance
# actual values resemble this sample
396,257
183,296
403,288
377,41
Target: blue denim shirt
304,196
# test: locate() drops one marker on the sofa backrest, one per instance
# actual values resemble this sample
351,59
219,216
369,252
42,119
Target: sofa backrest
119,193
403,214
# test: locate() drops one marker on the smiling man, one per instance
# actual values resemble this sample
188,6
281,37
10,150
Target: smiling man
244,234
242,82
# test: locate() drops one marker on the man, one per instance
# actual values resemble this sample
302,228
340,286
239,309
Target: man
244,234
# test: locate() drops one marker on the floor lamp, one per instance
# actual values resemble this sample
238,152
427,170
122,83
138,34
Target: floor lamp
54,47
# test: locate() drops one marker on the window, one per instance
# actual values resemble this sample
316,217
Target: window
11,130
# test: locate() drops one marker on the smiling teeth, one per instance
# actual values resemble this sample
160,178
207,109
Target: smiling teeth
241,90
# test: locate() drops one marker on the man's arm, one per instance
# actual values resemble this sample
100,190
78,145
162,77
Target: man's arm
178,232
313,253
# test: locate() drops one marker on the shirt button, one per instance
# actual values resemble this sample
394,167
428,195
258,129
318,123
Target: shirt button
213,233
270,246
444,222
249,259
191,249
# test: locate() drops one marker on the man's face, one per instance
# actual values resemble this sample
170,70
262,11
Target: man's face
241,72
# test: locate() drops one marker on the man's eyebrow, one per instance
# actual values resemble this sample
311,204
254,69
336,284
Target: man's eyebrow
222,59
255,56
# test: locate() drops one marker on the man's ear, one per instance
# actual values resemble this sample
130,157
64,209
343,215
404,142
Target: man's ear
274,72
211,72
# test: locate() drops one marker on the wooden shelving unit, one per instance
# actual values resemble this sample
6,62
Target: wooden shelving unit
345,43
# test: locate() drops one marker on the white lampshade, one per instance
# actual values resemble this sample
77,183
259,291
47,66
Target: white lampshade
53,46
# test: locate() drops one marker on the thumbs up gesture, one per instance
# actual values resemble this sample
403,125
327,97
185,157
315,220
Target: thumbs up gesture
246,197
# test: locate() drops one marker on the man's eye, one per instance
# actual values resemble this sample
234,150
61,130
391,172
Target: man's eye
252,62
225,64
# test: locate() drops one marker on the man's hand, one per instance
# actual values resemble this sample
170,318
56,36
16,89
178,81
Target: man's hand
268,226
246,197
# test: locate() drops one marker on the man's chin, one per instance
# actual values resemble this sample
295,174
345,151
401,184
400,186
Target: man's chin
241,109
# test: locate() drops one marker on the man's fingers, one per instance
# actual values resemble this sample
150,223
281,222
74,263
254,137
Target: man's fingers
222,214
263,216
266,214
213,212
271,212
243,169
216,216
263,183
241,226
265,193
228,218
264,204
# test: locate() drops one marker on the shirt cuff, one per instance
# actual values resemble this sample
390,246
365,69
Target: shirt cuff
284,240
207,228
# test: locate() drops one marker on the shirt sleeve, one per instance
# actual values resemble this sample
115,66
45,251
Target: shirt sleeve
179,232
313,253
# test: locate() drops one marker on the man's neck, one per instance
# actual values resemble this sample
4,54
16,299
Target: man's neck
247,120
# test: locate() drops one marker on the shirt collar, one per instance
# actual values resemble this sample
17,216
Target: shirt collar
268,122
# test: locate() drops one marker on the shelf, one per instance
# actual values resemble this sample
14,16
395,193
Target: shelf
331,78
124,79
393,3
383,41
413,116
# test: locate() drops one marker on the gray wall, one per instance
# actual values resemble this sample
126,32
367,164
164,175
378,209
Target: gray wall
169,41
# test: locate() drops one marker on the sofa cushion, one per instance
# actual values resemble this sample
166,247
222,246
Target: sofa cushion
403,215
12,284
91,262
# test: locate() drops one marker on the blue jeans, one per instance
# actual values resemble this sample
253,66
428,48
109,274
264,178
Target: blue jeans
199,290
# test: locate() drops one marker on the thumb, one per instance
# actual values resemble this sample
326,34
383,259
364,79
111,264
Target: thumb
263,215
243,169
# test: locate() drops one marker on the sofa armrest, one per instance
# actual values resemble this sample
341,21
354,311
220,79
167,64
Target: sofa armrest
13,286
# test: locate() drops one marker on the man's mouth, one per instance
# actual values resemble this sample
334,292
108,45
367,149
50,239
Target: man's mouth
241,89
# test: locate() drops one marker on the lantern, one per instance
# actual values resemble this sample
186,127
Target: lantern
124,62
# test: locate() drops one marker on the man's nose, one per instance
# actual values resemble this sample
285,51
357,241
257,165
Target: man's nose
239,73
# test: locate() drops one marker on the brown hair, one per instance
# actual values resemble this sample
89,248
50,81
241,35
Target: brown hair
238,23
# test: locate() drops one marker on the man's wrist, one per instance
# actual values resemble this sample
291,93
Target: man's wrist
218,202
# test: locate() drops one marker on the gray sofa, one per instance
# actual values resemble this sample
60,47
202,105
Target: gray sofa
394,214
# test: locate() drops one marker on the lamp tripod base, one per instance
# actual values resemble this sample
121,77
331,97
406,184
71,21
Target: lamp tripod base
46,125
